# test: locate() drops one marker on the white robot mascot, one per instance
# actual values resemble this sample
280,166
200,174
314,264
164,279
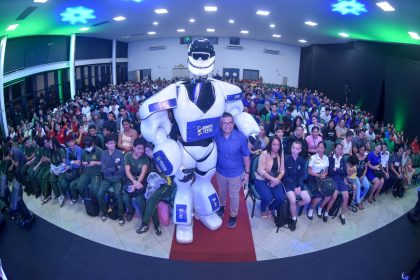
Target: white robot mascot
197,108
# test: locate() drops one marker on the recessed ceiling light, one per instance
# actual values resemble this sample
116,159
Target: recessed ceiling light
210,8
272,25
303,41
192,20
311,23
180,30
263,13
414,35
151,33
244,31
12,27
155,23
385,6
344,35
84,28
119,18
276,35
40,1
231,21
161,11
211,30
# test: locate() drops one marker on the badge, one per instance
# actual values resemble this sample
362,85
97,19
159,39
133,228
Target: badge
298,167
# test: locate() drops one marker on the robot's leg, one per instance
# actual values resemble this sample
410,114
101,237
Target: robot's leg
183,203
206,200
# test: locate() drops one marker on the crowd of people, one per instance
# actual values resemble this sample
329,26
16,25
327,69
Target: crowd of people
94,143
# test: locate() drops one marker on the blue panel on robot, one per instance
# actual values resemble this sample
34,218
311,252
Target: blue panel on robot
181,213
234,97
162,105
163,162
214,201
202,129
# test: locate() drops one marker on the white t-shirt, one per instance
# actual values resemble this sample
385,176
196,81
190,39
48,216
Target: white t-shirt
347,146
384,159
318,163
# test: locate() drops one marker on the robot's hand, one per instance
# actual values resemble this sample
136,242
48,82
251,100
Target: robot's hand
254,140
188,175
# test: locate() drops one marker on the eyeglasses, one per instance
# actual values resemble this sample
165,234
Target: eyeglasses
227,123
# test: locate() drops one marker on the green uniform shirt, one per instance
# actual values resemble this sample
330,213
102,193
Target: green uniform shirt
29,151
95,155
45,152
38,154
136,164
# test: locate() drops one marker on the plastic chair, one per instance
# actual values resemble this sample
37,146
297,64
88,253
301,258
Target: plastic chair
252,192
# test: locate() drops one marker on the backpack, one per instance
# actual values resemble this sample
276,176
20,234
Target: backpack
112,206
163,213
336,206
282,215
18,210
398,190
91,204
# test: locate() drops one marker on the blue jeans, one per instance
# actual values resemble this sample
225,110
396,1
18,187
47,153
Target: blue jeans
268,193
366,185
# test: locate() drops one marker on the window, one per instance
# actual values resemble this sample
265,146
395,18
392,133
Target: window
252,75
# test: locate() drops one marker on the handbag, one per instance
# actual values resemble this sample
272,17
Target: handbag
325,186
379,174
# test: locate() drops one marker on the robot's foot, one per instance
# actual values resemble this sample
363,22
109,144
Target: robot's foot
184,234
212,221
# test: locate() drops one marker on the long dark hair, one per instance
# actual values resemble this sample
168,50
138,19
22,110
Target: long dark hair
270,143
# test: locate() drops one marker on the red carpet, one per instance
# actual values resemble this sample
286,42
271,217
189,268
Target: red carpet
222,245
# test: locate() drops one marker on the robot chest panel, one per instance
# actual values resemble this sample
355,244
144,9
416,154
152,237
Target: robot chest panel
196,122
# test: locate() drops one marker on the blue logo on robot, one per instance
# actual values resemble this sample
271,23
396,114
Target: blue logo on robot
214,201
181,213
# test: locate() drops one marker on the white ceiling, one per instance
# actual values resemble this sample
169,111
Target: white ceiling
288,16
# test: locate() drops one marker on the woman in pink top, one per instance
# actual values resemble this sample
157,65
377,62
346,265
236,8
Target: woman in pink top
313,139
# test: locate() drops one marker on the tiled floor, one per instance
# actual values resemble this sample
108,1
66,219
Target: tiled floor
309,236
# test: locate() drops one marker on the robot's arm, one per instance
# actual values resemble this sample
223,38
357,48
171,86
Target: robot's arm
155,127
233,97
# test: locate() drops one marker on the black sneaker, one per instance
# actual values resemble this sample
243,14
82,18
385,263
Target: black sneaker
121,221
142,229
301,210
325,218
221,211
158,231
292,225
232,222
342,220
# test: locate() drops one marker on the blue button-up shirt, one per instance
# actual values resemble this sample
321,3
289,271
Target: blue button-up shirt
231,153
71,155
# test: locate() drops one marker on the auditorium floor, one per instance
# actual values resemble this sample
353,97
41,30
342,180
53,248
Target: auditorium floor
309,236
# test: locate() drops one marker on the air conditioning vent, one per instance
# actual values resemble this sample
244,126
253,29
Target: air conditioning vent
271,51
234,47
156,48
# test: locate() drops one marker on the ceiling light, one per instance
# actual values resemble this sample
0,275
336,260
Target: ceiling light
303,41
12,27
161,11
192,20
272,25
344,35
40,1
231,21
211,30
77,15
210,8
311,23
119,18
414,35
244,31
151,33
385,6
155,23
348,7
276,35
125,36
263,13
84,28
180,30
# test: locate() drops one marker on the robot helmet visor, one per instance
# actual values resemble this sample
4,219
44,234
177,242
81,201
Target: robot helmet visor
200,55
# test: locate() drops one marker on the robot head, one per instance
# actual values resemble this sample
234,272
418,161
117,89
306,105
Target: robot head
201,57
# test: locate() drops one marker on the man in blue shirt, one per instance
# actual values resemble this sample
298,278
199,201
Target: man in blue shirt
73,163
294,167
232,156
